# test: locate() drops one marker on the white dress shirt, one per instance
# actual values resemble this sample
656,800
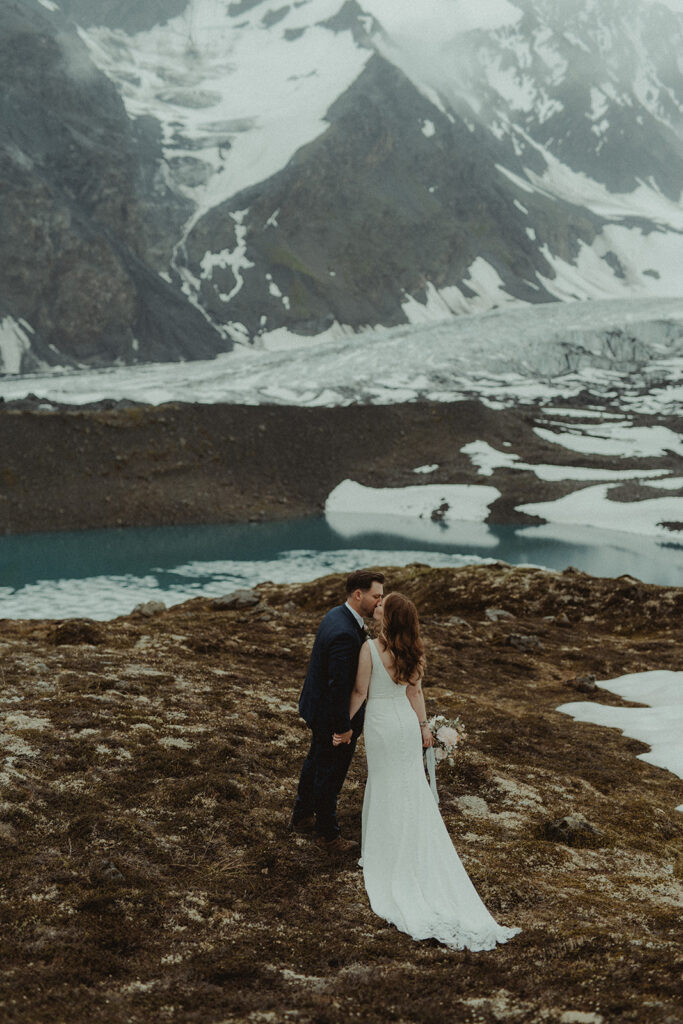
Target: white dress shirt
359,618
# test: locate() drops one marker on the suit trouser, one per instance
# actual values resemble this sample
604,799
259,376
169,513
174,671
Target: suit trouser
322,778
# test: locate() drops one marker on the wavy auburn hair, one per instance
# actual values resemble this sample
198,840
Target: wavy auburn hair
400,635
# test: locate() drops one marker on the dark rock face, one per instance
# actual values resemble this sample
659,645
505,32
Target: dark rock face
372,211
86,222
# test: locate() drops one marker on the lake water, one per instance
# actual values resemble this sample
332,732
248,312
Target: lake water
104,573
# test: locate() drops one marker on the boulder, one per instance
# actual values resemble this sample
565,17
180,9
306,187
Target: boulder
149,608
524,643
584,684
237,599
572,830
495,614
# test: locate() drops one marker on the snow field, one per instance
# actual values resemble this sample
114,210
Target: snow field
660,725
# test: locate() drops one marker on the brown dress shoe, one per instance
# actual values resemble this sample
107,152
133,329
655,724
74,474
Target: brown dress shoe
338,845
304,826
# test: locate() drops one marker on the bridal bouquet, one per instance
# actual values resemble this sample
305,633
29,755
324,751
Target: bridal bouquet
448,734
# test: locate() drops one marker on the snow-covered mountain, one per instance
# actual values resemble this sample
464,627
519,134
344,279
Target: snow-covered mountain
321,165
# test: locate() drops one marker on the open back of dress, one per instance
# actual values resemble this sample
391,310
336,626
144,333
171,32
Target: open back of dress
413,875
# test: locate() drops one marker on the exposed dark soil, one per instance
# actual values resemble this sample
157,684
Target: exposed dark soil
119,464
148,770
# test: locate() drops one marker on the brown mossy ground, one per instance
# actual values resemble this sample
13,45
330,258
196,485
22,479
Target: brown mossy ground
148,771
75,467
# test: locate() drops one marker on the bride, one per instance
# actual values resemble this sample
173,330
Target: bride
413,876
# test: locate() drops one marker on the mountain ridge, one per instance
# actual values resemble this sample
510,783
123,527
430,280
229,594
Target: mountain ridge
305,169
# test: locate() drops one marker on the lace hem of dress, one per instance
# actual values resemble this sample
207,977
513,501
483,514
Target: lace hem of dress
462,939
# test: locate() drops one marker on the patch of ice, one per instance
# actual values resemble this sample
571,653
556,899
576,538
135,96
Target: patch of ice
487,459
674,5
551,353
240,95
14,343
592,506
431,468
106,597
581,414
558,181
466,502
235,259
660,725
670,483
619,439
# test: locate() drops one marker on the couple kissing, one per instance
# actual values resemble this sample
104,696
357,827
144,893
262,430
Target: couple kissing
413,875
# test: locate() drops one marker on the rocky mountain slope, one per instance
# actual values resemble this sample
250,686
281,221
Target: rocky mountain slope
327,165
148,769
87,220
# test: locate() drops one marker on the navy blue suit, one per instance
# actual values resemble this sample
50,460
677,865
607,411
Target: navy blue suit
324,706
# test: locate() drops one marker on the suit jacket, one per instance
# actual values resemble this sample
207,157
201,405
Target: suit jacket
332,672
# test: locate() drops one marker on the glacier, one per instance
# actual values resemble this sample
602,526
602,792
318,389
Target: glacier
630,352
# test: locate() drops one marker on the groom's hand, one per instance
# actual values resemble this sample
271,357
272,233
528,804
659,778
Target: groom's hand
341,737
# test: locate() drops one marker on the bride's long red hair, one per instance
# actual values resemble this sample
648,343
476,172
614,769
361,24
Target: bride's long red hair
400,635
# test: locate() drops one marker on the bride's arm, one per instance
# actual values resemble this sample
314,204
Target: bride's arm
360,687
416,698
359,692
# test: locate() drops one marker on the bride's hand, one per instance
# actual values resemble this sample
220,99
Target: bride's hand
427,738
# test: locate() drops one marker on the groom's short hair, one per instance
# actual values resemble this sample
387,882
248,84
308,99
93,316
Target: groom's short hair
362,579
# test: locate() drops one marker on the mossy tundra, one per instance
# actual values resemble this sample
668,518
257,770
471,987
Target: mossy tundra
148,772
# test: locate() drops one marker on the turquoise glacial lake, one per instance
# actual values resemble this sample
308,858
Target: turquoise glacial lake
104,573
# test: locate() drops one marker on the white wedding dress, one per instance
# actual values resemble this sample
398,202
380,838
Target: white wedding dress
413,875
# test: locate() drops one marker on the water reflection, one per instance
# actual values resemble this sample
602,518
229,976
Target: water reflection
102,573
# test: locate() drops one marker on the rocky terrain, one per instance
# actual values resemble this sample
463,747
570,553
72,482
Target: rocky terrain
148,767
121,464
88,218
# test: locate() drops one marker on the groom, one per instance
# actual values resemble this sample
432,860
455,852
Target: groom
324,706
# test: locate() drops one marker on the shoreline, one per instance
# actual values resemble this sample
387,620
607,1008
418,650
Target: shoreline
122,464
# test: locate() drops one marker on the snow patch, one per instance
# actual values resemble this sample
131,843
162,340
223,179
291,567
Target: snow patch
232,92
236,259
463,502
14,343
618,439
660,725
487,459
592,506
